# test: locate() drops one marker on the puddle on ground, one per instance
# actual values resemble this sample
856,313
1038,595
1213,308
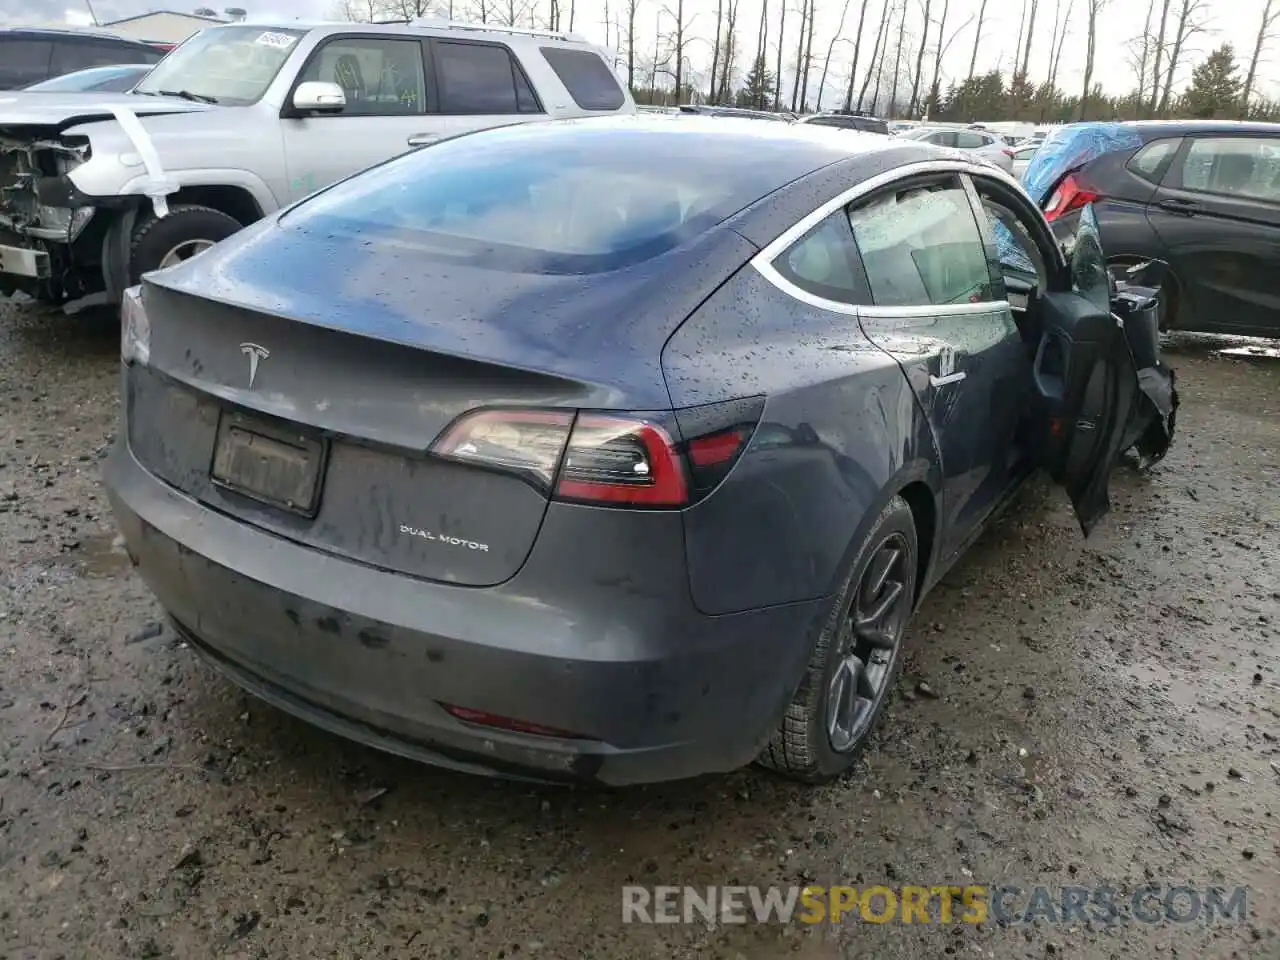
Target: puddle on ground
101,555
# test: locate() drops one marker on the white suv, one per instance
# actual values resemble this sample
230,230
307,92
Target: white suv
242,120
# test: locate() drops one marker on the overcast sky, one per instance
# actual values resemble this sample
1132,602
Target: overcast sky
1234,21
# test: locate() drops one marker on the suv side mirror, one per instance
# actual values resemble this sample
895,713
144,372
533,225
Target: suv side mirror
316,96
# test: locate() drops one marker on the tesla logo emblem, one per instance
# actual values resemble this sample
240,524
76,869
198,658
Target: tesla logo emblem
255,353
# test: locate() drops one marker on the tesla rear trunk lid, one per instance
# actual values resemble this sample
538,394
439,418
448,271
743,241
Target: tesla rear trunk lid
340,386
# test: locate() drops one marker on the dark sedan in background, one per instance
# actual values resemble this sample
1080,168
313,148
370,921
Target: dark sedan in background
1204,196
618,449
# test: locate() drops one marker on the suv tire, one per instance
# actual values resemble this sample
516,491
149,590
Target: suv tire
805,747
185,231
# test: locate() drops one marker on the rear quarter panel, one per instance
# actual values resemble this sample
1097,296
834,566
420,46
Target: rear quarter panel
841,433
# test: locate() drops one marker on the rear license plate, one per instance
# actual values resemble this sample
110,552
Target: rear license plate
268,464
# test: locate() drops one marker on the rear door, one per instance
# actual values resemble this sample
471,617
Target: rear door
480,84
1217,212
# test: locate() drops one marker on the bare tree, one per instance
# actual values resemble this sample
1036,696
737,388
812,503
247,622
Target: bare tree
1059,25
1056,53
977,38
679,39
1031,32
876,56
715,52
729,56
915,79
1266,31
777,72
553,16
1192,17
511,13
1095,8
1017,44
633,7
897,59
826,64
762,47
943,45
808,59
804,22
359,11
1140,55
572,11
1159,46
857,48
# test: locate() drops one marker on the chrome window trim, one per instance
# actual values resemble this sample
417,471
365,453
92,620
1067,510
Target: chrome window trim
763,260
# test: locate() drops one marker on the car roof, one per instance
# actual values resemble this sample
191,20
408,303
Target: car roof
425,26
793,149
60,33
1155,129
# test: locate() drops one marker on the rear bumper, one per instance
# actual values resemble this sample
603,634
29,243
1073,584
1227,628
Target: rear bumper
652,689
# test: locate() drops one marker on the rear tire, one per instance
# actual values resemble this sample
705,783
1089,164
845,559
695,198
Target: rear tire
186,230
813,744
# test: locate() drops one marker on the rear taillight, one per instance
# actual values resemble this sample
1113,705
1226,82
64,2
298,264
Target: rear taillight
1008,153
1070,195
619,460
610,459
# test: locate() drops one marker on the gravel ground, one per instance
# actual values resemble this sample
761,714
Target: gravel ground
1072,714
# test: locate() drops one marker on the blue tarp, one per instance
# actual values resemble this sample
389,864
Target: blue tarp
1069,147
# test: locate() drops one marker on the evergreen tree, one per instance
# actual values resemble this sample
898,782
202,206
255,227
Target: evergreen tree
757,89
1215,87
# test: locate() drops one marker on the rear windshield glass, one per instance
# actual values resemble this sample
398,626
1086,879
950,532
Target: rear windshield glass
559,198
587,78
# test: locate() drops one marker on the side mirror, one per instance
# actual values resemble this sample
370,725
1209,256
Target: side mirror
315,96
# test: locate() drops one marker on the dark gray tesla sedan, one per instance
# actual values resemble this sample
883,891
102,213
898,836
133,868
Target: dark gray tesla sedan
617,450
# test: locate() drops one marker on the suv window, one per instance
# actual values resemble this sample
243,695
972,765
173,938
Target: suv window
587,78
943,138
380,77
921,245
481,78
23,61
822,262
1234,167
972,141
1152,160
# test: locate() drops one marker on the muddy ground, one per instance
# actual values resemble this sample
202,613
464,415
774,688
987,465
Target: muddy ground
1072,714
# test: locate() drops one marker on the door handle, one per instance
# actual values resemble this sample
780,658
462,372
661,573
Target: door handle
949,378
1185,208
422,139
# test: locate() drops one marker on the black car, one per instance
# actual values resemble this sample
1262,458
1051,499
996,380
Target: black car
618,450
848,121
1204,196
29,55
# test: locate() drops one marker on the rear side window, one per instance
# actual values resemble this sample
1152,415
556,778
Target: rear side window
920,245
822,262
1244,167
1151,162
942,139
587,78
23,61
972,141
481,78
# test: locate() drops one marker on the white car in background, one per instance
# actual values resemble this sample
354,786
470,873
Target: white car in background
988,146
1022,155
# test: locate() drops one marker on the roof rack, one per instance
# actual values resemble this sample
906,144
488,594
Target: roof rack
462,25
